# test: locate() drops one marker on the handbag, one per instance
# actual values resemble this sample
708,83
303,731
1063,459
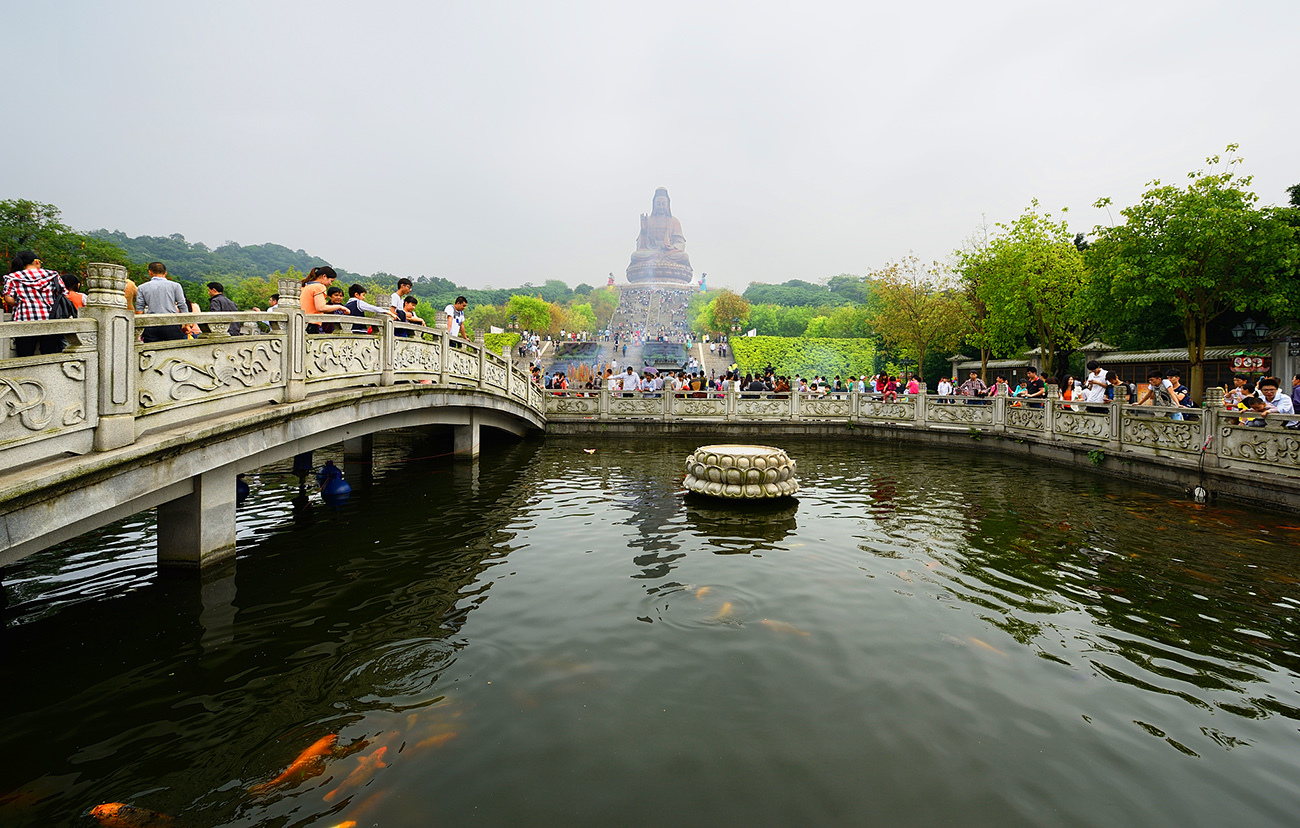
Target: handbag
62,307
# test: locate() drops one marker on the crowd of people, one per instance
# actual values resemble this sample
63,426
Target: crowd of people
650,314
34,293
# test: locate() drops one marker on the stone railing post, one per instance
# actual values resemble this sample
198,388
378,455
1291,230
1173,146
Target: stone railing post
295,340
481,346
443,338
795,412
106,304
1210,416
1049,411
666,396
729,397
1000,407
1113,414
919,412
510,369
602,407
387,350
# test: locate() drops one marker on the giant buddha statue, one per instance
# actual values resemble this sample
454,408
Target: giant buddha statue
660,254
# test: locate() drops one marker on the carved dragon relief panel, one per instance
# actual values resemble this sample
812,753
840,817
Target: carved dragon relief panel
836,409
174,375
50,398
880,410
959,413
416,355
494,375
462,365
1026,419
1260,445
764,409
691,407
339,356
636,406
573,405
1080,424
1160,433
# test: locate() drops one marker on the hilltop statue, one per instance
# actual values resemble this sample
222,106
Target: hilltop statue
660,254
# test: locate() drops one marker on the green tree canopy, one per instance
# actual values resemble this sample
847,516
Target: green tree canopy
1030,282
1203,249
918,309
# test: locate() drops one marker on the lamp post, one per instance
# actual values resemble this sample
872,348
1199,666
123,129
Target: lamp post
1248,331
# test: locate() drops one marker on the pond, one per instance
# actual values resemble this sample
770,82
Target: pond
555,635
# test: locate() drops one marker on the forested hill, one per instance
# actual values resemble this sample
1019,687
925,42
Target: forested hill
196,261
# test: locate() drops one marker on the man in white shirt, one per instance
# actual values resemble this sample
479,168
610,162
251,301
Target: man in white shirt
1094,388
945,388
456,316
397,301
1271,393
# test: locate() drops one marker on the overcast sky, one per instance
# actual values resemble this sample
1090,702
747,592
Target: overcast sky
497,143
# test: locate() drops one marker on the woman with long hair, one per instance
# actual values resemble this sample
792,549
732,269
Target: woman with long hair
314,300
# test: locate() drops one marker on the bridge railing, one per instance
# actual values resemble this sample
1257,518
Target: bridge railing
1181,435
108,386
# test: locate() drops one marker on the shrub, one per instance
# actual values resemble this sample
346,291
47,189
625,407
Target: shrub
804,355
496,341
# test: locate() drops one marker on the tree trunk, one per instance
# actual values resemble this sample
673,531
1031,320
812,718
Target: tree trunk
920,364
984,366
1196,335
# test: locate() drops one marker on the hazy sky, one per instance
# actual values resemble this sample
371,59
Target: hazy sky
498,143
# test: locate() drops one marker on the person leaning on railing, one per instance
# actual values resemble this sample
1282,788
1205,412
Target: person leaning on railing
30,291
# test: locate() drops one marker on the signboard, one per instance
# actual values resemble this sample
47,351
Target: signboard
1251,364
1293,348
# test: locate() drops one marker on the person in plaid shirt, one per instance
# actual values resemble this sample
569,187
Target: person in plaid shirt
29,291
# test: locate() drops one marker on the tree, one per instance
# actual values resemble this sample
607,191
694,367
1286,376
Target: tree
534,314
1204,249
918,309
726,310
581,317
1030,284
31,225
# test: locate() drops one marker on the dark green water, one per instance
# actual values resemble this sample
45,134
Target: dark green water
559,638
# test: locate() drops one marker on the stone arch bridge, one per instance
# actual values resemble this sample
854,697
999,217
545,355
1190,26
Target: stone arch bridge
113,426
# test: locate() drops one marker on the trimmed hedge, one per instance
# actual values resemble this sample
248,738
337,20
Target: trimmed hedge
494,342
804,355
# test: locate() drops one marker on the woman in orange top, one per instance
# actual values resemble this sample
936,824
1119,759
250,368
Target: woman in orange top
313,294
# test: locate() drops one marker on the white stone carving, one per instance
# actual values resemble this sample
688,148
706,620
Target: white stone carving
741,472
1080,424
960,413
201,371
1260,445
1160,433
340,354
1026,419
416,355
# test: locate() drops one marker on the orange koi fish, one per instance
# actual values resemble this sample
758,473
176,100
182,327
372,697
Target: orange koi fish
366,767
436,741
702,591
972,639
783,627
311,762
121,815
724,612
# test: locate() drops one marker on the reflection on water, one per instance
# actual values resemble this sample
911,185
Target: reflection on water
552,636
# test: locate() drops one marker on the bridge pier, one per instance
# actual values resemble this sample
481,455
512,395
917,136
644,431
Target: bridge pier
358,457
198,529
465,439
